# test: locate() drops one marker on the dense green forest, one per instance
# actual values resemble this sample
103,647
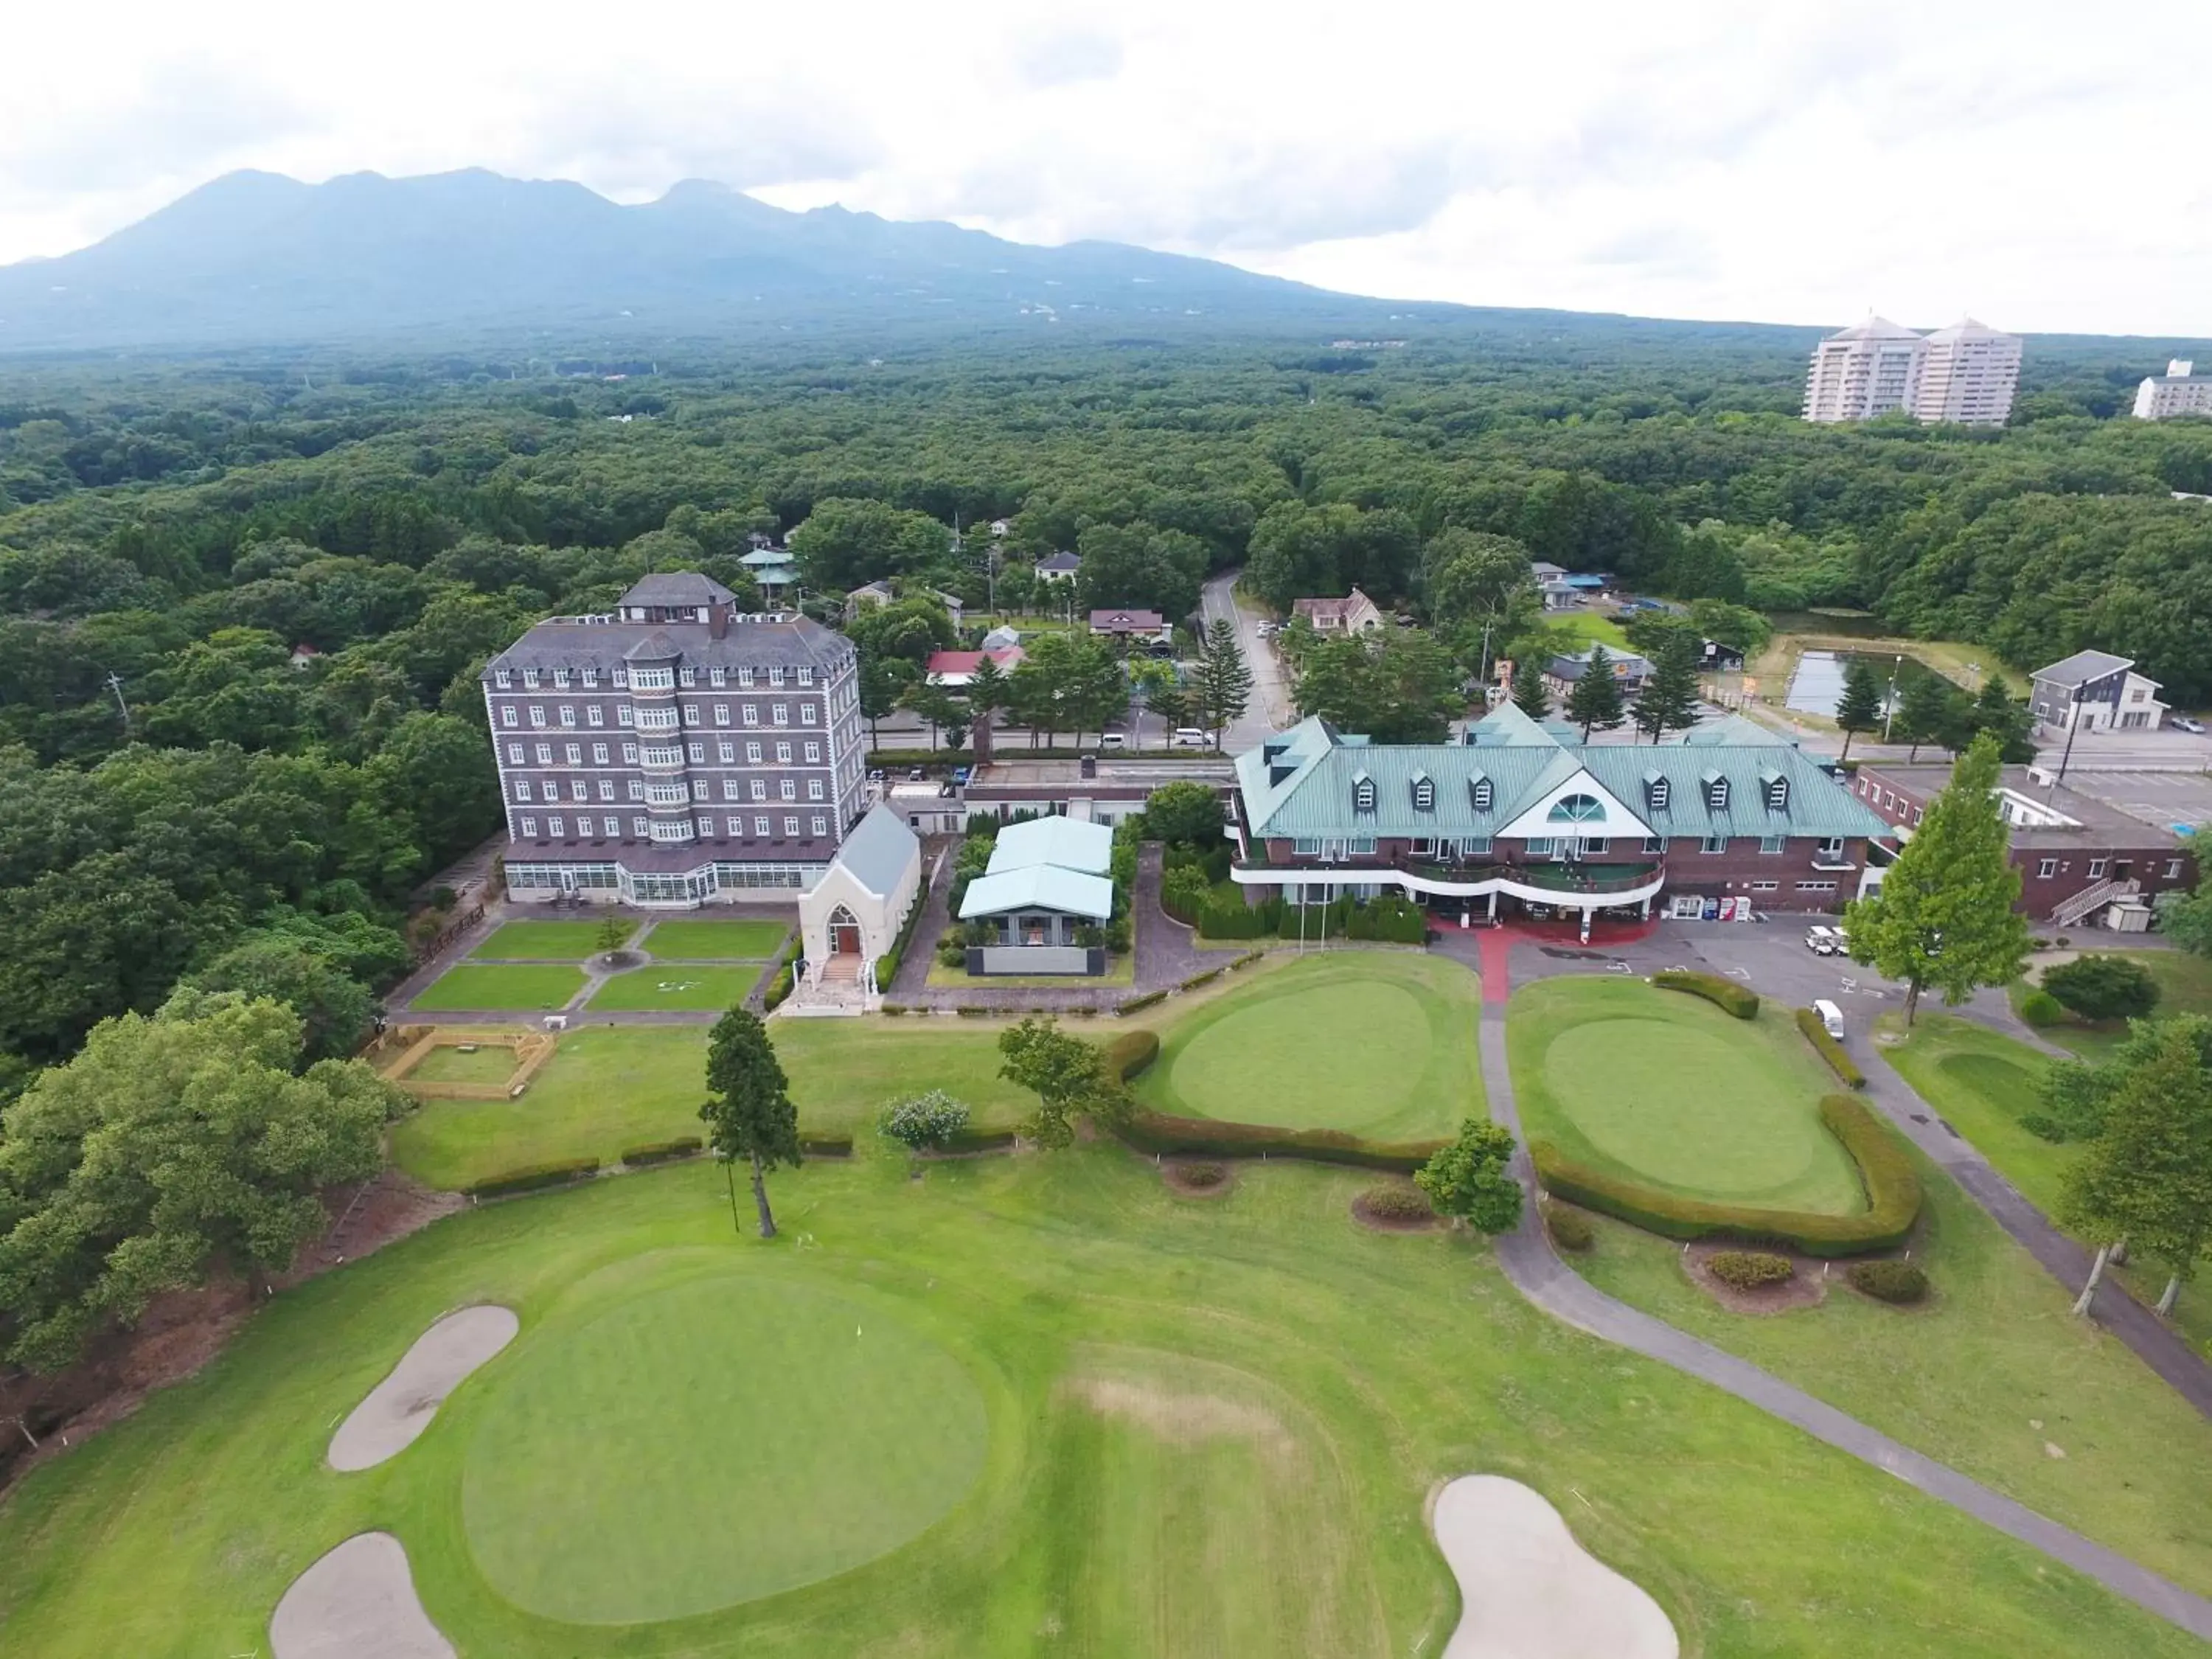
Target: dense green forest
186,796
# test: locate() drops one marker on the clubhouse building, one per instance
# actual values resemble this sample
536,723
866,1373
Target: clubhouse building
1524,819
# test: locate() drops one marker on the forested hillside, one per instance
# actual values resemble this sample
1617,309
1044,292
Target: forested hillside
181,786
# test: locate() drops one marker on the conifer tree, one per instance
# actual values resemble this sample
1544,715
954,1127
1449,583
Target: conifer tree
1669,702
1860,707
750,1114
1595,703
1530,695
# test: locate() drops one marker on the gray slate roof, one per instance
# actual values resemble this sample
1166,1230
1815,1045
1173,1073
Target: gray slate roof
2082,667
1300,783
678,587
572,642
880,851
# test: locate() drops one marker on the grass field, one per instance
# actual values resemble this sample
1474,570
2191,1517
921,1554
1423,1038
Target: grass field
609,1087
661,985
1591,629
1209,1430
1375,1043
715,941
493,1063
816,1433
520,987
2185,987
543,941
1987,1376
1981,1083
1667,1088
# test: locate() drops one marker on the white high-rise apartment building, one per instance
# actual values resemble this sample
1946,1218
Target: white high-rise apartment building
1966,372
1968,375
1864,372
2178,392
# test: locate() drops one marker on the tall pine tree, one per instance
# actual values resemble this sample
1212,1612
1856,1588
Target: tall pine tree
1595,704
1669,702
1530,695
1859,710
750,1114
1222,688
1944,913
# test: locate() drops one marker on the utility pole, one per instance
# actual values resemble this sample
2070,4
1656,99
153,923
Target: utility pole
1889,711
115,684
2073,725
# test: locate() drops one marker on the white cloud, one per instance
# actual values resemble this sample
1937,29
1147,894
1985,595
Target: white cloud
1732,158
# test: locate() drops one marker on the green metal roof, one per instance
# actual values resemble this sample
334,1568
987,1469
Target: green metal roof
1088,848
1300,784
1039,887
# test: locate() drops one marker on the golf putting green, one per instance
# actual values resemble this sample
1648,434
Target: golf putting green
708,1444
1374,1042
1672,1091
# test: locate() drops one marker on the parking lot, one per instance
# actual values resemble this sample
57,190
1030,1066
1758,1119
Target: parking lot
2168,800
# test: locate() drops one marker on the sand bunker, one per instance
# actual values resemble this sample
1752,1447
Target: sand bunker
401,1407
357,1602
1530,1591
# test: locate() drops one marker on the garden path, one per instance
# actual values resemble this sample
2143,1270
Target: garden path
1533,1268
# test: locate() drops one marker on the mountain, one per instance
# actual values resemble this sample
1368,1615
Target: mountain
255,257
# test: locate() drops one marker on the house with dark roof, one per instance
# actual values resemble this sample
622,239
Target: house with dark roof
1563,673
1128,624
1521,819
2094,691
1059,567
675,751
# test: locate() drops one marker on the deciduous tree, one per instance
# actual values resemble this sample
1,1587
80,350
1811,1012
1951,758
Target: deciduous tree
1944,916
1067,1075
2146,1177
1467,1178
2103,987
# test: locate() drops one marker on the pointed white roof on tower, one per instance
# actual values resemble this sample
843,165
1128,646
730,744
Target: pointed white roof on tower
1875,328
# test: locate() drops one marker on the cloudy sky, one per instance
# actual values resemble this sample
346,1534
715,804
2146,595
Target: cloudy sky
2020,159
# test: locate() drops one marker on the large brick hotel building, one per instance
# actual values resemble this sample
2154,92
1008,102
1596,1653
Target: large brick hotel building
676,751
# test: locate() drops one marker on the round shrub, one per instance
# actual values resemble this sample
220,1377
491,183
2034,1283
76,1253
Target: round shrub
1201,1176
1397,1200
2039,1008
924,1122
952,953
2103,987
1571,1230
1749,1270
1889,1281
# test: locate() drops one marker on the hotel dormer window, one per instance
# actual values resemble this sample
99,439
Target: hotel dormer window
1425,792
1363,793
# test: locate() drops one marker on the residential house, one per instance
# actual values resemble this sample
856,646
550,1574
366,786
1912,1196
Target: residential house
1355,613
1719,658
2094,691
851,915
1520,819
773,569
677,751
1059,567
1563,674
1129,624
1045,890
955,670
2080,860
1541,571
867,593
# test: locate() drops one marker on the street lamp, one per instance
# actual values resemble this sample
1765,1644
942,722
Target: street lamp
1890,714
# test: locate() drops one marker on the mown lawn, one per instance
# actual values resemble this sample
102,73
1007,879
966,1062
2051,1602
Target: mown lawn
1988,1377
491,1062
541,941
1982,1083
515,986
2185,987
1120,970
1665,1088
660,985
1379,1043
1208,1429
608,1087
715,941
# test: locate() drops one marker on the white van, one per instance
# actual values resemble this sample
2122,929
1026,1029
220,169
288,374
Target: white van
1112,740
1188,736
1830,1016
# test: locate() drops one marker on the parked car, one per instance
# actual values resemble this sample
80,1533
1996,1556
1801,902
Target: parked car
2183,723
917,775
875,775
1188,736
1831,1017
961,774
1112,740
1822,941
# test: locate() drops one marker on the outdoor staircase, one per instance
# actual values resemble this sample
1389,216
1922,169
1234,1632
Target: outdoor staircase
836,986
2068,911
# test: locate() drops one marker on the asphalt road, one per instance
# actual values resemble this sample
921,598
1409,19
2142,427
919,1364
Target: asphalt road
1270,709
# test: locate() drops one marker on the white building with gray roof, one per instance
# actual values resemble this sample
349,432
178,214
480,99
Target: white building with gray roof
675,751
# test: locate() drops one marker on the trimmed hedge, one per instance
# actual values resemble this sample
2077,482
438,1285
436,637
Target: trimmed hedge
1829,1049
1246,960
1137,1005
1397,1200
1893,1191
1724,993
825,1145
1157,1132
778,988
1132,1053
532,1177
1571,1230
1197,979
1749,1270
1889,1281
979,1141
887,965
660,1151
